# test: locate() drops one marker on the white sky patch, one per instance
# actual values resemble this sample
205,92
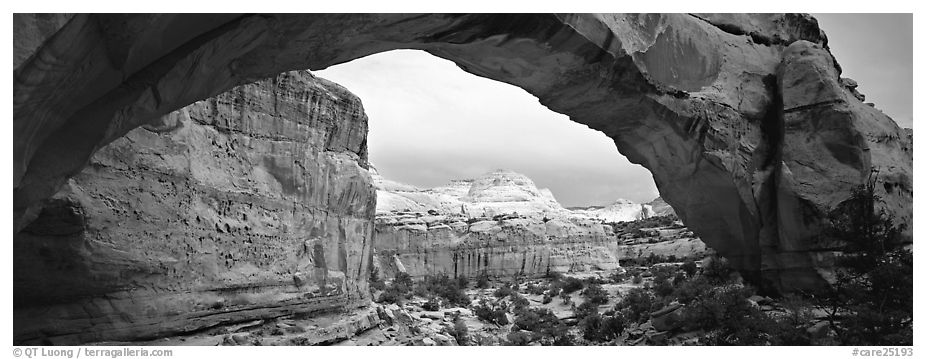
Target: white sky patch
431,122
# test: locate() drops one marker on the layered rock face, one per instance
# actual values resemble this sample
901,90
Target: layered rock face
661,208
498,224
621,210
743,120
253,204
504,246
495,193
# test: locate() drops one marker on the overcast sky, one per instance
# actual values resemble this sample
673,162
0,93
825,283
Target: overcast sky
431,122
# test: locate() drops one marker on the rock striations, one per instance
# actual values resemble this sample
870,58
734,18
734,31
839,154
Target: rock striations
498,224
744,121
253,204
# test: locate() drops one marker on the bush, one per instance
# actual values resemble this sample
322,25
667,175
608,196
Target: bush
599,328
460,331
586,309
491,314
554,276
717,269
403,280
442,286
376,282
690,267
547,299
594,294
519,338
874,276
432,304
397,291
503,291
537,289
393,294
567,299
637,279
462,281
661,280
482,281
690,290
637,305
544,324
729,318
571,284
519,302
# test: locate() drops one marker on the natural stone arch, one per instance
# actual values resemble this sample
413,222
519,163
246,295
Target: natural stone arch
703,101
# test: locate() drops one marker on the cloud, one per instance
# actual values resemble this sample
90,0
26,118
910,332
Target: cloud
431,122
876,50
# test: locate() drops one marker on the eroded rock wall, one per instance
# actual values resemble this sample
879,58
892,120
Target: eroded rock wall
255,203
702,101
505,246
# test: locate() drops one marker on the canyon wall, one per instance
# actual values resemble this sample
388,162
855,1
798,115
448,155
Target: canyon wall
751,134
505,246
252,204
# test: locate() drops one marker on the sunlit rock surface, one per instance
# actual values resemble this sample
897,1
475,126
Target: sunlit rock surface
743,120
253,204
498,224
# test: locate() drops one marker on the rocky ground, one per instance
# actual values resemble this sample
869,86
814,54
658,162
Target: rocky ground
499,309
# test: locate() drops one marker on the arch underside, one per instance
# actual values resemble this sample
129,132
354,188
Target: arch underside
733,145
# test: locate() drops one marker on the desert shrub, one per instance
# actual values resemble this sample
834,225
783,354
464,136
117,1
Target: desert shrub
717,269
637,304
567,299
544,324
537,289
874,275
690,267
729,318
519,338
503,291
662,280
491,313
462,281
791,328
618,276
482,281
571,284
432,304
689,290
397,291
376,282
594,294
394,294
441,285
403,279
519,302
546,299
554,276
586,309
598,328
460,331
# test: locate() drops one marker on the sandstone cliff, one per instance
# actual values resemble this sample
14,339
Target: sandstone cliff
253,204
661,208
742,119
504,246
499,224
621,210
